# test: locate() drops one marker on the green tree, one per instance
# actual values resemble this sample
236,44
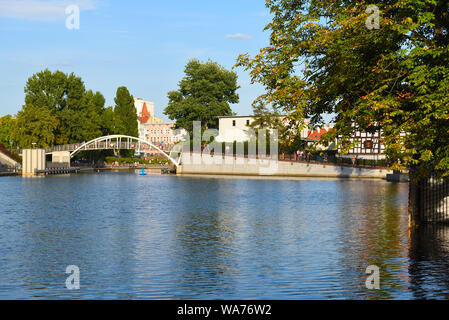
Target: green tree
99,102
204,94
47,89
125,113
34,125
65,96
108,121
5,130
93,109
322,58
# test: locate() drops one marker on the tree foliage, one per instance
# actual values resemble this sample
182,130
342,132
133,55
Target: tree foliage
322,59
108,121
204,94
78,114
34,127
5,130
64,95
125,113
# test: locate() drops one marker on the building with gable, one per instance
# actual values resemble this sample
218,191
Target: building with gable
154,129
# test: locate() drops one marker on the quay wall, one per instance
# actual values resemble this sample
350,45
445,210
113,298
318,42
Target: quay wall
7,161
33,159
252,167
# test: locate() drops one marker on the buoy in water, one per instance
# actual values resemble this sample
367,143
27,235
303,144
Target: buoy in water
143,173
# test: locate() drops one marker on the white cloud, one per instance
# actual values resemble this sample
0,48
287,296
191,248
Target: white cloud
41,10
238,36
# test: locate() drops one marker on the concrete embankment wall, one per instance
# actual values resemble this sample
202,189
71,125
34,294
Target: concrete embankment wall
7,161
253,167
33,159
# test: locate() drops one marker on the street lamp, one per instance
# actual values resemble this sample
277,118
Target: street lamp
34,144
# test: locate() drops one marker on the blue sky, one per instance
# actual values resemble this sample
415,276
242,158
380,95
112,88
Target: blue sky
143,45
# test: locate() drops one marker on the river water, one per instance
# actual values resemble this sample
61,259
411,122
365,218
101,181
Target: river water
169,237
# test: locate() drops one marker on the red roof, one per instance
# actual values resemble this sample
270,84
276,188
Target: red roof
315,135
144,115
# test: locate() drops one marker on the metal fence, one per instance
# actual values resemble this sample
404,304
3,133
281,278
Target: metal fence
429,199
9,169
359,162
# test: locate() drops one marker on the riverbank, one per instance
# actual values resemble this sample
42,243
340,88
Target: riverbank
276,168
8,174
150,169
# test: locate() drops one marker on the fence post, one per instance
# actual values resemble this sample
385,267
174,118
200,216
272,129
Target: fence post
414,201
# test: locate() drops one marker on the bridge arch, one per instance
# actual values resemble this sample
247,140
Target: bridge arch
110,140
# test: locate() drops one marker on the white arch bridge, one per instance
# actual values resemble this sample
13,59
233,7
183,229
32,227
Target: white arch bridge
114,142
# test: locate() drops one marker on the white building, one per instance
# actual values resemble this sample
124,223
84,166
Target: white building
366,146
236,128
370,146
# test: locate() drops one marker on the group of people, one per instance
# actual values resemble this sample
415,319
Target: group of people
302,155
307,156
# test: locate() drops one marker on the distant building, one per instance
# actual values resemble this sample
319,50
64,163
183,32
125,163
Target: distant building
163,135
154,129
366,145
313,138
370,146
236,128
145,115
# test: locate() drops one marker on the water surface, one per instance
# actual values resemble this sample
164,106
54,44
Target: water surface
168,237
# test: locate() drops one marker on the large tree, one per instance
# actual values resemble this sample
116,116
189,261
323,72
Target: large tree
125,113
330,56
204,94
108,121
64,95
34,127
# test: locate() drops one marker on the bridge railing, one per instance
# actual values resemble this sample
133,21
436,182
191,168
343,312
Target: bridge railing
94,146
64,147
100,145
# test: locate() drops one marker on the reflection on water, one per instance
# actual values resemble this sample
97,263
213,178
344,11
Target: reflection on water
429,263
166,237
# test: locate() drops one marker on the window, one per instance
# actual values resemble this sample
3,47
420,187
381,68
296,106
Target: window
368,144
233,123
247,122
